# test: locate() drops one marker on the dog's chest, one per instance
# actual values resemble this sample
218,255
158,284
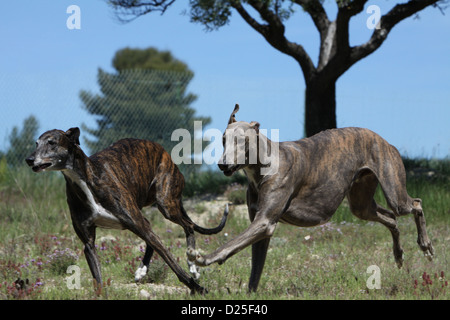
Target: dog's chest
99,216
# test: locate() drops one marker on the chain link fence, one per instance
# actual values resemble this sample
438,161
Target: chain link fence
151,104
145,104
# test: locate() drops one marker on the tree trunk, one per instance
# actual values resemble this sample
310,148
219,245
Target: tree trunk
320,106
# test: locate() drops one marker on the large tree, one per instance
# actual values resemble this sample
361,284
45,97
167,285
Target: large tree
145,98
336,55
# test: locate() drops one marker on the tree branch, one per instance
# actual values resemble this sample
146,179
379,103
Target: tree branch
273,32
262,29
345,12
135,9
335,46
387,22
317,13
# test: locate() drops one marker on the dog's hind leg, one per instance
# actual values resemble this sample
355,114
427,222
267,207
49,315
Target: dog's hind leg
362,205
153,241
423,240
143,268
145,232
190,240
394,188
388,219
168,196
174,211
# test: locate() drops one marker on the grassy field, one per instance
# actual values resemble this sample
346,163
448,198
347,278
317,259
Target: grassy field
38,244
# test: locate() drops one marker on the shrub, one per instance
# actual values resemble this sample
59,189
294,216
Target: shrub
60,260
210,182
238,196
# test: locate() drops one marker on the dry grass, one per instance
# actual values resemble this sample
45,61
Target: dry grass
326,262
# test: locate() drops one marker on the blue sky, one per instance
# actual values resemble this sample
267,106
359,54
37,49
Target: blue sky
402,91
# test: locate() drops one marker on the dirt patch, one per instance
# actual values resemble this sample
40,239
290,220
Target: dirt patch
151,291
213,208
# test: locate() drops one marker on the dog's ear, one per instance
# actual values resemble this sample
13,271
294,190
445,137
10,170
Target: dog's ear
255,125
233,117
74,135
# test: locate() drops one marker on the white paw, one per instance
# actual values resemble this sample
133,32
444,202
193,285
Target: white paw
194,256
191,254
193,270
140,273
428,255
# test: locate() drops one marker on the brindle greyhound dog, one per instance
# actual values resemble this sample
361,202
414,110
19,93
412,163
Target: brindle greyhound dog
312,178
109,189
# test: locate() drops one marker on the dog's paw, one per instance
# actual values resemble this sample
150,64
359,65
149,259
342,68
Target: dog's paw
426,247
194,256
193,270
200,261
191,254
429,253
140,273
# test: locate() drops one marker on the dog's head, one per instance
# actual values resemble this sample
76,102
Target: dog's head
54,150
240,143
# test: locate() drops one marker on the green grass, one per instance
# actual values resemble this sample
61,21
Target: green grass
37,243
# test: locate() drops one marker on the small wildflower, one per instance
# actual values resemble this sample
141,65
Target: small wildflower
38,283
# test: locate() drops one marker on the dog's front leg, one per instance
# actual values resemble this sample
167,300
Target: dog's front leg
258,230
94,263
271,205
87,236
259,253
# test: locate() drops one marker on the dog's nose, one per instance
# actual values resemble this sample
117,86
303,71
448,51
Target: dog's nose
222,163
30,160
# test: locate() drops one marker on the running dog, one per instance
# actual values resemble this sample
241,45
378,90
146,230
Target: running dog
109,189
311,179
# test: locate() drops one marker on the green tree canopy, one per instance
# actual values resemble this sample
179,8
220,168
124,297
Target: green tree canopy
268,18
22,142
146,98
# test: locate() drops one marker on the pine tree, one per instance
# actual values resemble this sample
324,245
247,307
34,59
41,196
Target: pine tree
146,98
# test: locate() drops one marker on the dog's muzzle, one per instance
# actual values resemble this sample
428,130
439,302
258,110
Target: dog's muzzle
228,169
36,167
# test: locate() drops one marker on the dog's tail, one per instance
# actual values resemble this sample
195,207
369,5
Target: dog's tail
211,230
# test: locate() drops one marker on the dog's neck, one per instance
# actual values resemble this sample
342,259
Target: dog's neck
257,172
253,175
264,149
79,167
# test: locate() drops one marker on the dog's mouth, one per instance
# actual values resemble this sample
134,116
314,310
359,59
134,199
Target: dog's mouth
41,167
228,171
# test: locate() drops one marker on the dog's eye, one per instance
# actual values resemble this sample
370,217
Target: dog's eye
51,142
